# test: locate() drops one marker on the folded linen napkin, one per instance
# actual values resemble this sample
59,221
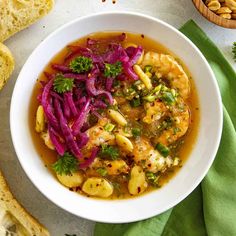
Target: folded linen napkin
211,208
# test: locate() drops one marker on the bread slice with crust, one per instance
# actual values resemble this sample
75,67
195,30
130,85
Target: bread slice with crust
16,15
14,220
6,64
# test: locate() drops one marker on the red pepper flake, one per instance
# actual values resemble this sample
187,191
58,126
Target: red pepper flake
77,189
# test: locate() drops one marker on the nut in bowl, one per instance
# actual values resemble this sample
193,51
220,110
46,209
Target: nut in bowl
123,143
220,12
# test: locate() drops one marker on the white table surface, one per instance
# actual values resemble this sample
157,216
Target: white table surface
175,12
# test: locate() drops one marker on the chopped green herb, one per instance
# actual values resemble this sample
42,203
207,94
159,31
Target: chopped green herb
113,70
150,98
116,83
136,132
62,84
101,171
166,124
168,97
154,77
118,94
165,151
135,102
234,50
152,178
148,68
153,95
116,186
157,89
176,130
109,152
109,127
143,163
130,91
66,164
81,64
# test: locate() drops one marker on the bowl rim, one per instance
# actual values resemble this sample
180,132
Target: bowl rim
219,101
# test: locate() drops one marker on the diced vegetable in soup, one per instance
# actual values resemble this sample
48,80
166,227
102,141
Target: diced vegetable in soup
114,115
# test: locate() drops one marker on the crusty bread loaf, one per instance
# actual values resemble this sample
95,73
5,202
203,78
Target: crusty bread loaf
14,220
6,64
16,15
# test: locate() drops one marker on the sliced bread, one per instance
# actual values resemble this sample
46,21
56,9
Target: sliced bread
6,64
16,15
14,220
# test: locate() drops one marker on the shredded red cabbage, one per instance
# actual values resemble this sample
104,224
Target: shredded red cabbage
61,68
109,83
69,97
59,146
76,76
128,70
67,113
56,95
79,121
135,55
82,139
47,107
99,104
76,51
91,90
69,138
66,108
90,160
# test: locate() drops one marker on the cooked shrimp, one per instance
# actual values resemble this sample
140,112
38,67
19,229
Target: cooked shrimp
115,167
166,66
181,119
154,111
146,156
98,135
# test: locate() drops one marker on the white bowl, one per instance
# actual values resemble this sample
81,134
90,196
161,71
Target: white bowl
190,175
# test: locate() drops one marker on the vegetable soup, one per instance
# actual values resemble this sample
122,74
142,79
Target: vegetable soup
114,115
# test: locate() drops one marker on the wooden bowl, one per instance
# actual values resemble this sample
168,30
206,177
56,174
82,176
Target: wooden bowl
211,16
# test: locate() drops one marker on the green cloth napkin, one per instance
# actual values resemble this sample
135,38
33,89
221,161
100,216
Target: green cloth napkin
211,208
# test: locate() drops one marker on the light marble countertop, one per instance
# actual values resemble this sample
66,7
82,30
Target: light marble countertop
175,12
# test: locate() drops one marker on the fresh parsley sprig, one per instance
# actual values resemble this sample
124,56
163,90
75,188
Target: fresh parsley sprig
66,164
113,70
152,178
81,64
62,84
109,152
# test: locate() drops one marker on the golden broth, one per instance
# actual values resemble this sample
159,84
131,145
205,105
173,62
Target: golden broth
49,156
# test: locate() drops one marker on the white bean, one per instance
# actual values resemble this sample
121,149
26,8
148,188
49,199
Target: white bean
40,120
98,187
70,181
47,140
143,77
117,117
137,183
116,167
124,143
